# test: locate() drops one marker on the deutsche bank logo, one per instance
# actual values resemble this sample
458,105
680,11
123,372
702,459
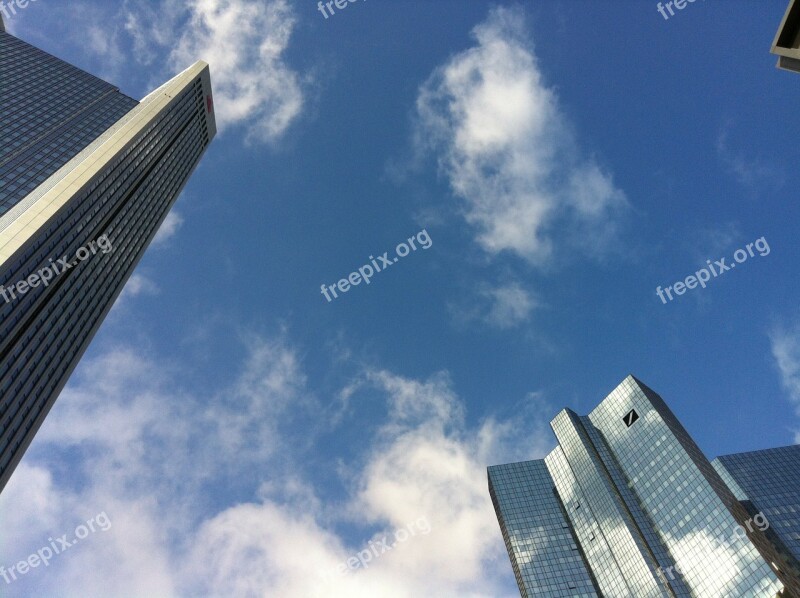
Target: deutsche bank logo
630,417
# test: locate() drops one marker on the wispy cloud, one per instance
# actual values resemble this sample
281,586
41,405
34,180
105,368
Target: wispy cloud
748,171
168,228
210,493
502,306
714,241
138,284
244,41
509,153
785,342
510,305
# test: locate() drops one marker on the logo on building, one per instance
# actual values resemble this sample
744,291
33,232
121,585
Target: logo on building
630,417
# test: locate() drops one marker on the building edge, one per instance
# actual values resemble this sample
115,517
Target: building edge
70,180
30,215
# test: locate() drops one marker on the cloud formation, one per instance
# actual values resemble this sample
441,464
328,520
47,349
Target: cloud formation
210,494
748,171
510,305
509,153
502,306
785,343
244,41
168,228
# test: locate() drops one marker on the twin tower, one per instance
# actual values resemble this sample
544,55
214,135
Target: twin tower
628,506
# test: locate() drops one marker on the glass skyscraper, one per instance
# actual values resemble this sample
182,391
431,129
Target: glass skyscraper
87,175
628,506
768,482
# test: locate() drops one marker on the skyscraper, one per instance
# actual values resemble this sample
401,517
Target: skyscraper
627,506
768,482
87,175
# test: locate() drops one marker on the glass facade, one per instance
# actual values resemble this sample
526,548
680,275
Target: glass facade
78,161
650,514
544,551
615,549
767,482
50,111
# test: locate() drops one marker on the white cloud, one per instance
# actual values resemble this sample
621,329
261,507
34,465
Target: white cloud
168,228
748,171
138,284
244,41
507,150
102,40
511,305
785,343
153,30
208,494
502,306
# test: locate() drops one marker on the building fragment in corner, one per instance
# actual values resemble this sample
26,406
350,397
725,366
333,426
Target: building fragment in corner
787,40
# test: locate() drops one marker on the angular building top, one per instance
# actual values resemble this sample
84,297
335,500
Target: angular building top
626,505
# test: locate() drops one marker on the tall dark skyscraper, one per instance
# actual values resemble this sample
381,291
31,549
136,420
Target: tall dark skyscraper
627,505
87,175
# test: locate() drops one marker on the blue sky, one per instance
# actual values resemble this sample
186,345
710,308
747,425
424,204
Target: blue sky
566,158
